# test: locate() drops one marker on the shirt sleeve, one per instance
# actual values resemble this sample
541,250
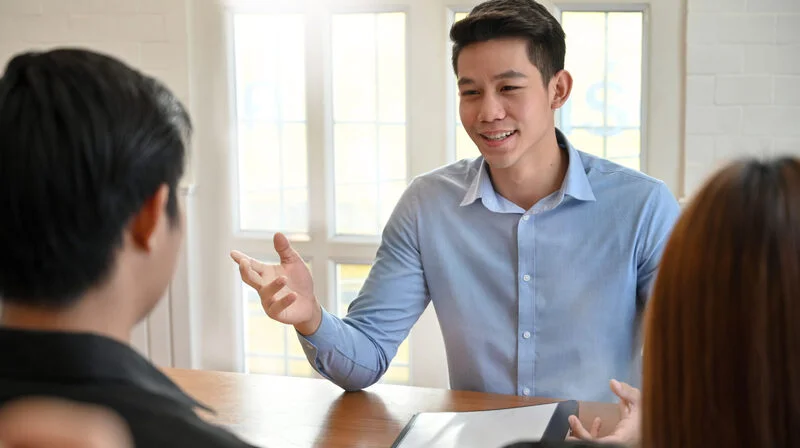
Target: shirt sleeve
355,351
661,212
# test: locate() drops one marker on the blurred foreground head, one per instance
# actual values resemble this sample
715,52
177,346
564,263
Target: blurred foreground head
91,154
722,348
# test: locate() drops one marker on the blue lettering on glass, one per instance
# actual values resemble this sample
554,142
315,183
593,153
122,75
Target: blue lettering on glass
596,97
614,113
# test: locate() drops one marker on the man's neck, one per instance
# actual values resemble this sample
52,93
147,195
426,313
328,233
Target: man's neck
87,315
533,178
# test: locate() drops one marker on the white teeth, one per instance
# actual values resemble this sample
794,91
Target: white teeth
498,136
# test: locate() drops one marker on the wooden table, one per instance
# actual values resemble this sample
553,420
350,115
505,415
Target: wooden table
276,411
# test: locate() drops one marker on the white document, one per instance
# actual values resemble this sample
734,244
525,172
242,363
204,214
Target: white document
485,429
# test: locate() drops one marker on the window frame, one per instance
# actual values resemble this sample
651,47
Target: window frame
321,247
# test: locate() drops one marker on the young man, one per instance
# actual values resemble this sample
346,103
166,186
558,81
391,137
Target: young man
91,153
537,257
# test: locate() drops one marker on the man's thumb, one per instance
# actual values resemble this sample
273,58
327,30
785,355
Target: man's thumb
626,391
284,249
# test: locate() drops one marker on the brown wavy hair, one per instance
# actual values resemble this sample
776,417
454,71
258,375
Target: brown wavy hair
722,344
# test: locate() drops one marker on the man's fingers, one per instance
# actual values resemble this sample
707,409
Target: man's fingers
578,431
284,249
249,276
596,425
626,392
238,256
260,267
267,292
278,306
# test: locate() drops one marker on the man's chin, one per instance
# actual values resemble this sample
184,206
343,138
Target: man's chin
498,160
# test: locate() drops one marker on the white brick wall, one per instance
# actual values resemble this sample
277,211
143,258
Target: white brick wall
743,83
148,34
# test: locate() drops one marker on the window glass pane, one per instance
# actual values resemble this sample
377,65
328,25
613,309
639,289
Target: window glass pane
391,68
294,208
587,141
258,149
266,365
356,153
294,160
396,375
269,52
625,144
349,280
624,69
369,114
259,210
300,367
267,336
356,208
354,67
465,147
604,55
585,59
389,189
392,150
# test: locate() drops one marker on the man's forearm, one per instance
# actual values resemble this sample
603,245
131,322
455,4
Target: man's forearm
344,354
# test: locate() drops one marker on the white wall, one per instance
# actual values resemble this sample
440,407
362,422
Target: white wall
743,82
151,35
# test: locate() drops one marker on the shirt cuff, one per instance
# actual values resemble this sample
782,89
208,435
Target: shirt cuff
324,339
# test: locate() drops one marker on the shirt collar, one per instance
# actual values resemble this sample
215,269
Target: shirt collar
61,357
576,182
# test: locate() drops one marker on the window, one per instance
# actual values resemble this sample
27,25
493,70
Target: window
281,141
369,119
604,55
270,347
349,279
271,123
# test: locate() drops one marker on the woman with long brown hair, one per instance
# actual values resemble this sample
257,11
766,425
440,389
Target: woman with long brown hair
722,341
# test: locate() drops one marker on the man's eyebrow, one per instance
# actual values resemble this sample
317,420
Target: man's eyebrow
465,81
508,74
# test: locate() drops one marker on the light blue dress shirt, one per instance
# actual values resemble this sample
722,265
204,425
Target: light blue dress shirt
542,302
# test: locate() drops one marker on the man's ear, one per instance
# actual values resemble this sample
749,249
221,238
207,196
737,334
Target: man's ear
560,88
147,219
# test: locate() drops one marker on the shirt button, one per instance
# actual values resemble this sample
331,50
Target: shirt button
526,277
526,217
526,334
526,391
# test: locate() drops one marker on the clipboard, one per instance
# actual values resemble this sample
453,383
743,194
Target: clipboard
487,429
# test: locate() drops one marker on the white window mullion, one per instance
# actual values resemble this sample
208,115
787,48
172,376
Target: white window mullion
319,148
427,80
428,21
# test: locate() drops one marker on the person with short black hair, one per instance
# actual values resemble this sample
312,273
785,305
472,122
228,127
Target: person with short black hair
91,155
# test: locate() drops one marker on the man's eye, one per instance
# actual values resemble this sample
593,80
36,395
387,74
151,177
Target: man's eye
508,88
469,92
